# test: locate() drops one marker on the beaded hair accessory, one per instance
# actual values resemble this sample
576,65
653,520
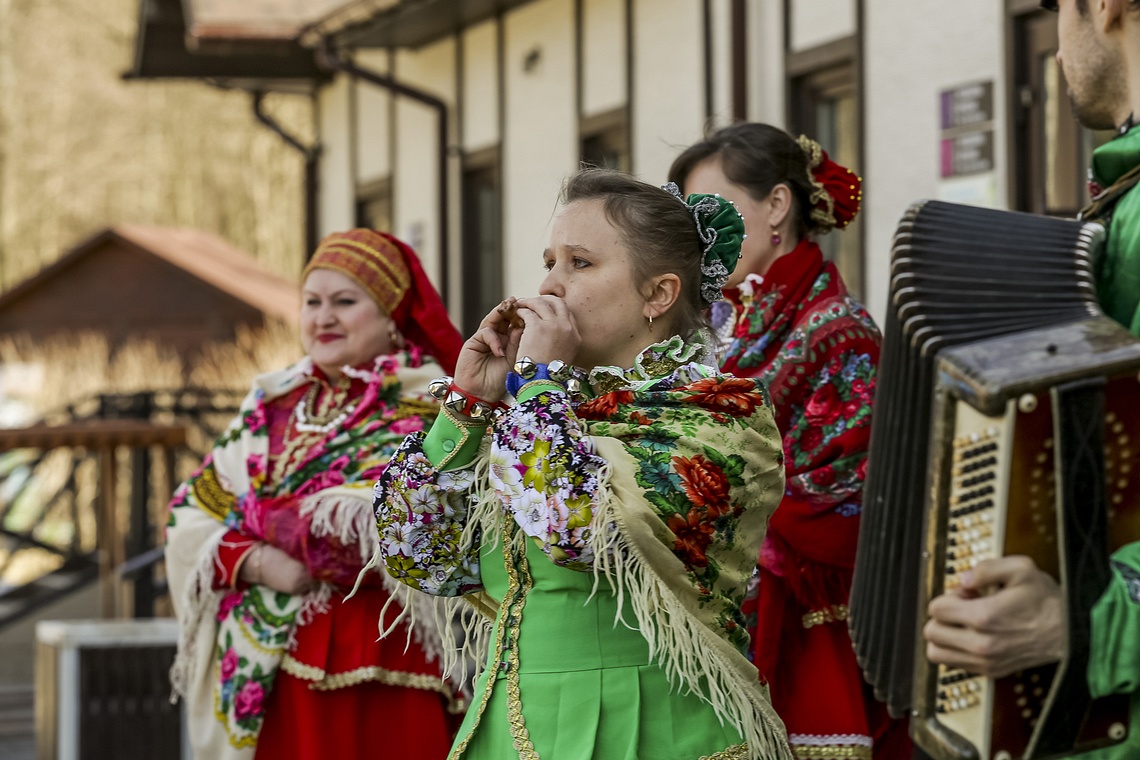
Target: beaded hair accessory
721,230
836,190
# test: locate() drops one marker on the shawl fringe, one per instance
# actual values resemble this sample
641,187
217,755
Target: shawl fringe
346,517
199,601
686,650
463,624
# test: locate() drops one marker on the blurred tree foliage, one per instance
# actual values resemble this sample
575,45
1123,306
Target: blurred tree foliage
81,149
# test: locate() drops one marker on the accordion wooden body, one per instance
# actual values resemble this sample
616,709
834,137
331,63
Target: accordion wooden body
1006,421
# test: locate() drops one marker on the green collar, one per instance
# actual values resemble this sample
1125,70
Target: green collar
655,362
1116,157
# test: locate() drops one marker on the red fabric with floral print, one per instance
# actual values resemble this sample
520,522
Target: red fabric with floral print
301,722
816,348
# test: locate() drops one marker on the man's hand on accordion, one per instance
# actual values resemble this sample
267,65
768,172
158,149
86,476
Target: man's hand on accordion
1005,617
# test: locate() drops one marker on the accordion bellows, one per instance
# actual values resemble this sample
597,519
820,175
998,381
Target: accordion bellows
1002,425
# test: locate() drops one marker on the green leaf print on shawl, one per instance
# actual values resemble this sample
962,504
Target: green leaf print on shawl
711,471
681,472
233,642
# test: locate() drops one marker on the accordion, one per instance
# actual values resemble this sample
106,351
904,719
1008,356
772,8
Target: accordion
1005,422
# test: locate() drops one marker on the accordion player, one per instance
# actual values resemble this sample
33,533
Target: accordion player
1006,422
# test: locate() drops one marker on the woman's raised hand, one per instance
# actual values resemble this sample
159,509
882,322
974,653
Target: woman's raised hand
550,333
489,354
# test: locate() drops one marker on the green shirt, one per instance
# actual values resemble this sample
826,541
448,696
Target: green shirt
1114,666
1118,274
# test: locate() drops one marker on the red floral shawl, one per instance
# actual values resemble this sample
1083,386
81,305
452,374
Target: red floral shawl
816,348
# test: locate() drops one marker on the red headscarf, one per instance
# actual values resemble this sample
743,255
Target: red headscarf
389,271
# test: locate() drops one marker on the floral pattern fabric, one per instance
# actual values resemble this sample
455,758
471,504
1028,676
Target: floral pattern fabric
310,499
800,332
708,467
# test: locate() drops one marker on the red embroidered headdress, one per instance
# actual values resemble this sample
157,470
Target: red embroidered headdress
389,271
837,190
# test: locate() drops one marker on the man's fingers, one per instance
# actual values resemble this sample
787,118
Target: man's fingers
950,609
997,572
958,647
953,658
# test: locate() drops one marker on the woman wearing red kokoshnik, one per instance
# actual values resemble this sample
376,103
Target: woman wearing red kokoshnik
265,542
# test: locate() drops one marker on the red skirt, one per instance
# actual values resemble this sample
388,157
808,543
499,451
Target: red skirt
371,721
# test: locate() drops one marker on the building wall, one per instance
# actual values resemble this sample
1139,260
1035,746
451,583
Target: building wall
913,52
668,83
765,71
517,83
540,132
480,112
604,50
373,113
415,176
337,203
817,22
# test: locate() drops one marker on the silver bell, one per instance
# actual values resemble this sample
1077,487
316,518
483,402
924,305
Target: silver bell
558,370
456,402
525,367
574,386
479,411
438,387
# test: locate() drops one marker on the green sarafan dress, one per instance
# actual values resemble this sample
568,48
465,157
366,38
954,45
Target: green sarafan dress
608,539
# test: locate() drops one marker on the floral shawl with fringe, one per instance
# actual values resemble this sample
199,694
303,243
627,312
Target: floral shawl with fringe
233,642
662,485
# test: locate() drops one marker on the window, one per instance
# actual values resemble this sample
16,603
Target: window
482,237
605,140
1051,150
825,106
374,205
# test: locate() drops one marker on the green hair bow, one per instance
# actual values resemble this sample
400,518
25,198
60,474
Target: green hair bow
721,229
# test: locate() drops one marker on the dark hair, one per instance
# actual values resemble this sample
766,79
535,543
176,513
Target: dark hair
658,231
757,157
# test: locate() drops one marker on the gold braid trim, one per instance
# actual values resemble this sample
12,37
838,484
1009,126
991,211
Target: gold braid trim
322,681
823,215
497,646
735,752
211,496
831,752
519,571
834,614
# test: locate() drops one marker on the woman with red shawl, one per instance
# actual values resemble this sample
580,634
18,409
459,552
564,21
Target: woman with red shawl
268,538
789,320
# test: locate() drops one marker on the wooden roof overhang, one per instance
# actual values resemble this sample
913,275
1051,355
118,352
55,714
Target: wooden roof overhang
408,23
248,57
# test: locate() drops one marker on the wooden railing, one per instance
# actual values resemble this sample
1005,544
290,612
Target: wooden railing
103,439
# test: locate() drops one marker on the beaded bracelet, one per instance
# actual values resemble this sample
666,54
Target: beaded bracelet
460,401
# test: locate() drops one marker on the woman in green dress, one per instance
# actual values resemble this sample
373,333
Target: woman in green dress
606,521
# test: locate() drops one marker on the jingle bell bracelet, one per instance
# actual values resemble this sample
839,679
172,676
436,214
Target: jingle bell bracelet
527,370
459,401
